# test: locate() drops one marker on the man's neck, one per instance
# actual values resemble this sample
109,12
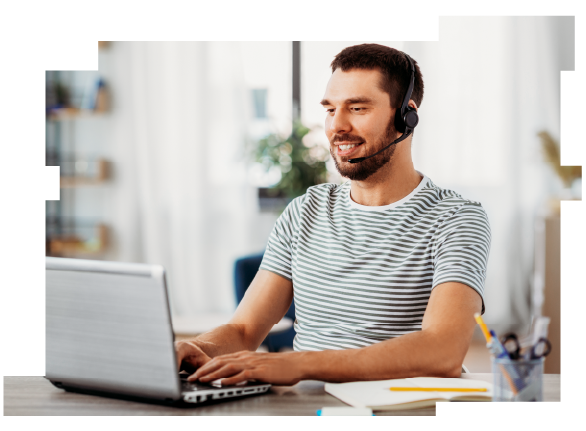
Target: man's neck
390,184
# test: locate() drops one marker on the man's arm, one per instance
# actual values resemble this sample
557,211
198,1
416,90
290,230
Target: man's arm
265,302
437,350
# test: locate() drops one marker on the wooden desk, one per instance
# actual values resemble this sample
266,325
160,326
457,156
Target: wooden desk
33,396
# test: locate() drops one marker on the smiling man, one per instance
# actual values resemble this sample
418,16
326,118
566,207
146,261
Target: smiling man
387,269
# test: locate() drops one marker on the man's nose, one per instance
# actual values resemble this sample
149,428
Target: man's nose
339,123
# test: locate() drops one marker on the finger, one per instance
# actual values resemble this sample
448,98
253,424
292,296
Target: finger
193,362
241,377
197,359
178,354
194,366
210,366
228,370
224,371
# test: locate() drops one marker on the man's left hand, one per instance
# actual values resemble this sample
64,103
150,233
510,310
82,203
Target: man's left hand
275,368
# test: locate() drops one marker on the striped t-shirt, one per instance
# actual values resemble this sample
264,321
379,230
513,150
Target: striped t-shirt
364,274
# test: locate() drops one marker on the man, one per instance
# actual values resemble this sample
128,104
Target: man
387,270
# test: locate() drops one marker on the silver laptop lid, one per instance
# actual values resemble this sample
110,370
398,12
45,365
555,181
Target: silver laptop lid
108,328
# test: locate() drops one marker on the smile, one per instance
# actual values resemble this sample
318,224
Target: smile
346,149
348,146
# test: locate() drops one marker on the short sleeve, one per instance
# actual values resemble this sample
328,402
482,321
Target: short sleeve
278,255
462,247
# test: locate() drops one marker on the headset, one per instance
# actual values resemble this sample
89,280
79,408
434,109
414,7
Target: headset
406,117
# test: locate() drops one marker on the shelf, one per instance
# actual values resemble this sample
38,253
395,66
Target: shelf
102,173
64,114
72,245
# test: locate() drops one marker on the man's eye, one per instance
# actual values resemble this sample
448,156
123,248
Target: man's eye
330,111
358,109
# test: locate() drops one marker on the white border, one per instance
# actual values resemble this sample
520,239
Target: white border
218,27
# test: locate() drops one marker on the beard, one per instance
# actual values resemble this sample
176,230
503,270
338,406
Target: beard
362,170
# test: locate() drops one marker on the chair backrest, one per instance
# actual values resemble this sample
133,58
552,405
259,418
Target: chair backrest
245,270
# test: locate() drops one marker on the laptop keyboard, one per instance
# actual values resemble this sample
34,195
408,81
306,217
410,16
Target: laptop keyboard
194,386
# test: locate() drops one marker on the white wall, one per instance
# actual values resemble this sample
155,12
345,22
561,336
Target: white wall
210,130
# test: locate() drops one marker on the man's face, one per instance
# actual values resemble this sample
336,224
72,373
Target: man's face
359,122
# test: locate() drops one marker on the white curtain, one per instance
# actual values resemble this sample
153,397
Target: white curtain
490,85
180,196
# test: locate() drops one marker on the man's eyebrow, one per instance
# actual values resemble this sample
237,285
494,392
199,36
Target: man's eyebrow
358,100
350,101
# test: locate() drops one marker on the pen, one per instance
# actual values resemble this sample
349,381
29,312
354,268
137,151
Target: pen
492,342
497,349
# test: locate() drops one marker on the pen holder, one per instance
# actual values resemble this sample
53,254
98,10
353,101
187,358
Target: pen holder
520,380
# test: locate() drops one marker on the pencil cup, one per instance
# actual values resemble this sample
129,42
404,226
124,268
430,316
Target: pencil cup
520,380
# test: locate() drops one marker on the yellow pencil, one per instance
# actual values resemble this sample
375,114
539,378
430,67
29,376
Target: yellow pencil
488,337
483,327
400,388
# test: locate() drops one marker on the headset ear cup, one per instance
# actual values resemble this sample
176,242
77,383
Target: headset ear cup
411,119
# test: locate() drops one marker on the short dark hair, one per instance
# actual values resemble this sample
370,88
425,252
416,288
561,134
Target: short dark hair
392,64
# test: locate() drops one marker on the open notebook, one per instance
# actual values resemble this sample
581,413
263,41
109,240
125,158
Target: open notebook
378,396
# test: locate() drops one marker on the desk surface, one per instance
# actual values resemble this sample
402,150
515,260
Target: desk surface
32,396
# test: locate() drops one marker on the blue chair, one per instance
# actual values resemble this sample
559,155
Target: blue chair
245,269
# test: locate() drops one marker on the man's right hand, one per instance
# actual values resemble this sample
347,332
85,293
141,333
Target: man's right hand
189,356
266,301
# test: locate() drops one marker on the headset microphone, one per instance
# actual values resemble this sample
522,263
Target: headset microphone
406,117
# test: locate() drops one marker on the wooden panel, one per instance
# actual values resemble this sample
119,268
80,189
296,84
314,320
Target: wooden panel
565,293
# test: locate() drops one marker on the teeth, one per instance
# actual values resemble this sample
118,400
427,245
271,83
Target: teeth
347,147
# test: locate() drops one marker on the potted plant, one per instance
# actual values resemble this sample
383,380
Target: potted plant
302,164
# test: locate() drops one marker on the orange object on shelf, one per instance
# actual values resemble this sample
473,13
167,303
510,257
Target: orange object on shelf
72,245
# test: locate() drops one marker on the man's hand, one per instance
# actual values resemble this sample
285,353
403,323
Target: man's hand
276,368
190,355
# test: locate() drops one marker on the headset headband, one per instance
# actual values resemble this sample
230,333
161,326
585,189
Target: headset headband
405,104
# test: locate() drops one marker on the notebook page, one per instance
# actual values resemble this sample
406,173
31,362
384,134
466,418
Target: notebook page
378,393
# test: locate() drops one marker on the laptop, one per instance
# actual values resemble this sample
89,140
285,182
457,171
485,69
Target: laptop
109,332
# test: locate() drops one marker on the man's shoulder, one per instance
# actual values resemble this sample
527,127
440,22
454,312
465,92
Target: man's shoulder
316,196
450,205
324,192
448,200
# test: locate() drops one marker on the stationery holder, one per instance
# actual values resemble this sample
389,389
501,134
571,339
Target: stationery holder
517,380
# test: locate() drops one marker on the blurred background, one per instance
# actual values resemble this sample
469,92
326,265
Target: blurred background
185,153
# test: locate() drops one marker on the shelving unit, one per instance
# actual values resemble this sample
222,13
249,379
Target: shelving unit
76,101
95,173
72,245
